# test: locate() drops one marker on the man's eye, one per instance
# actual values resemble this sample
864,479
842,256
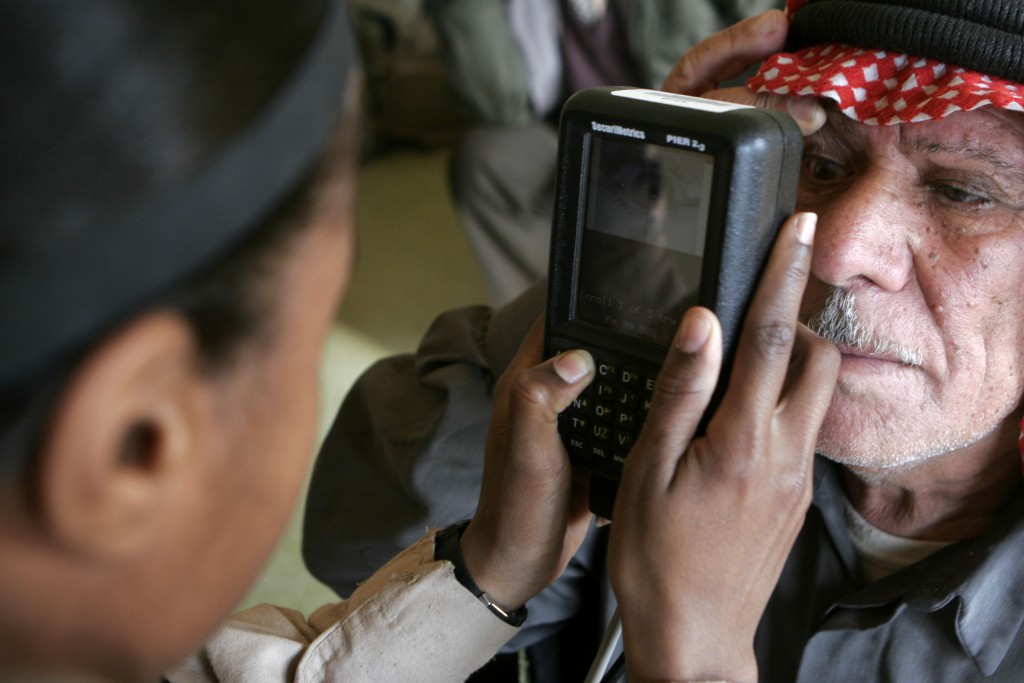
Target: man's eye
822,170
959,195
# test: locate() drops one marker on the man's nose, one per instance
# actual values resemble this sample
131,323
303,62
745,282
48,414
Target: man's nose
863,235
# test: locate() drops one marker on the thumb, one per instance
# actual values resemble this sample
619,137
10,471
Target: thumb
526,504
540,393
532,456
548,386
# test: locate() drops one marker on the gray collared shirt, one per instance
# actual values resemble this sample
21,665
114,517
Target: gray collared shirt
954,616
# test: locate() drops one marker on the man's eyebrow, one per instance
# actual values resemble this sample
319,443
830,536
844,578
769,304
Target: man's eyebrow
970,150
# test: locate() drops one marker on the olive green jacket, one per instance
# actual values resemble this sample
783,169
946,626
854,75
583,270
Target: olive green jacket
483,56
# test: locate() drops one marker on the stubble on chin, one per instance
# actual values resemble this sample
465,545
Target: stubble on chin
870,438
878,448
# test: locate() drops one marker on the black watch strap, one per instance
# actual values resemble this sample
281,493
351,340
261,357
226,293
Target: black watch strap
446,547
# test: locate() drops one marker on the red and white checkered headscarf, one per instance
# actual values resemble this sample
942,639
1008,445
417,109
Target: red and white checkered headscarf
881,87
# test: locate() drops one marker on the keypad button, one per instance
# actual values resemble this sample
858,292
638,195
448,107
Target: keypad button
629,378
581,403
578,423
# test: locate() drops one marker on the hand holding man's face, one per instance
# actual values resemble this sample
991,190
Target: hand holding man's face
922,228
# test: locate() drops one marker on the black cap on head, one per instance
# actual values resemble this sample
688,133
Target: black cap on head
986,36
82,264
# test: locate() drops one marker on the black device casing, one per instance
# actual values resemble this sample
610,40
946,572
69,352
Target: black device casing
756,155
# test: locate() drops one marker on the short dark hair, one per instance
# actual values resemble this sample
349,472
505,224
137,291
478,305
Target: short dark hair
228,302
155,87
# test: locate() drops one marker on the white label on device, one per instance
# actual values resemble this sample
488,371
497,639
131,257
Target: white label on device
680,100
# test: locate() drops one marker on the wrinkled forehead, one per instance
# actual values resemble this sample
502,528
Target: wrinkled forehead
989,140
884,63
983,150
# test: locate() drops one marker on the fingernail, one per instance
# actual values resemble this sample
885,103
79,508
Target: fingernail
805,226
695,332
803,108
572,366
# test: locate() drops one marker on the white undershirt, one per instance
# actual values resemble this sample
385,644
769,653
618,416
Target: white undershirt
881,553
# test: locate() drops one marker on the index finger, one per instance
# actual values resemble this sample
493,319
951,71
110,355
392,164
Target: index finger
728,53
769,330
681,394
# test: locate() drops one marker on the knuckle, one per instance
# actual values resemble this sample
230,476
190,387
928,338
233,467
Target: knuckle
793,482
736,36
745,470
677,382
774,338
783,477
524,391
675,387
687,77
795,489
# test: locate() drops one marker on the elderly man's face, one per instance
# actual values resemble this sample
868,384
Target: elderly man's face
920,251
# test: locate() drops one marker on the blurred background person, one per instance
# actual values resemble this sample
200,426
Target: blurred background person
511,65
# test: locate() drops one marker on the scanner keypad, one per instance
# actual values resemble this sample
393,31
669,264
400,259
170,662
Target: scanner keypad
600,427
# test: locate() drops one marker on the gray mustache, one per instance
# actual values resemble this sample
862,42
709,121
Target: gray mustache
838,323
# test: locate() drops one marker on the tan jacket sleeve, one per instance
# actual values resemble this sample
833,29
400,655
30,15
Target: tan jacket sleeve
410,621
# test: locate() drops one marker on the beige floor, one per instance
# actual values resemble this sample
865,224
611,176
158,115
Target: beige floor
413,262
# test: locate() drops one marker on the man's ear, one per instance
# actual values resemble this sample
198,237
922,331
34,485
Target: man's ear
124,439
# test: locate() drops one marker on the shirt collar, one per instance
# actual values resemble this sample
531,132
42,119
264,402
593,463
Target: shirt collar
982,576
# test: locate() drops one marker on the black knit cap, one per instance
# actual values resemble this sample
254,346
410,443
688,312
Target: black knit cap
986,36
65,290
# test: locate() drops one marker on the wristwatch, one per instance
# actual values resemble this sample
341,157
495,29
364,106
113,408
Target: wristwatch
446,547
